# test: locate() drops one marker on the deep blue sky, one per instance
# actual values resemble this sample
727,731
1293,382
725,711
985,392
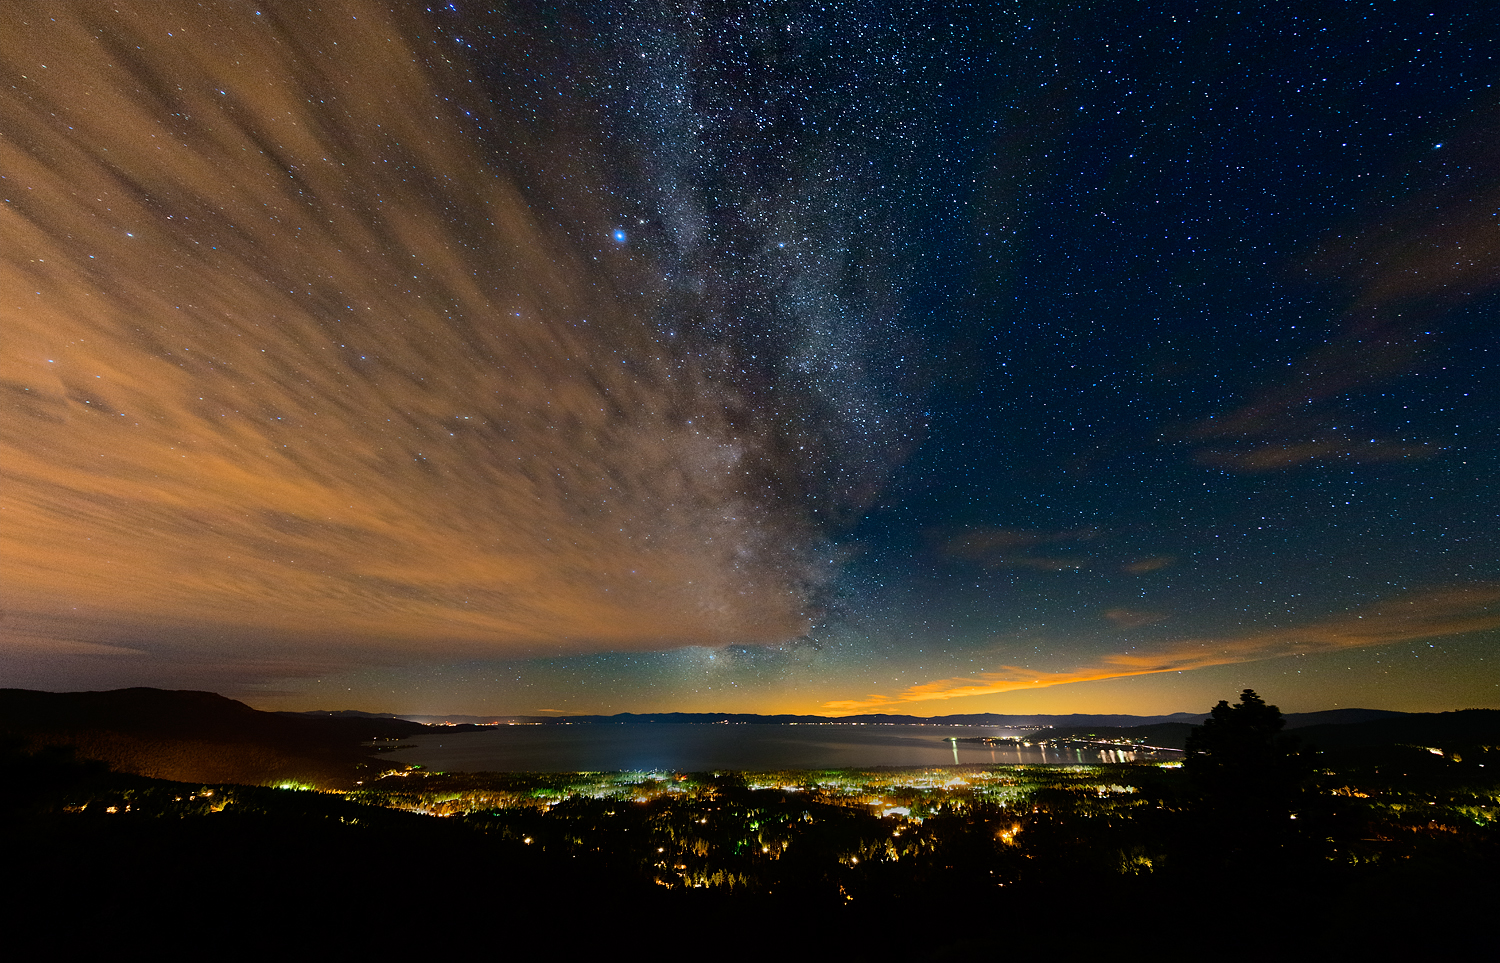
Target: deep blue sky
779,357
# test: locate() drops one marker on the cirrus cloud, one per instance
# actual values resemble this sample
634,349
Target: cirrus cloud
1443,611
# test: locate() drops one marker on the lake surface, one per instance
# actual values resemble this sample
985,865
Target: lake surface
681,747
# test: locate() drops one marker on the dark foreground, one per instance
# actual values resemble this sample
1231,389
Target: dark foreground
1379,851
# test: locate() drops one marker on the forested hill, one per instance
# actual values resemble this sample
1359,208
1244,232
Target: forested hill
1438,730
1335,730
1073,721
197,736
751,718
201,736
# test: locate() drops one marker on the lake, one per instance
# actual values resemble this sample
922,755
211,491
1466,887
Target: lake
684,747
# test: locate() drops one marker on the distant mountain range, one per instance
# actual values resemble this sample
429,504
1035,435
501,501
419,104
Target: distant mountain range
1075,720
204,737
197,736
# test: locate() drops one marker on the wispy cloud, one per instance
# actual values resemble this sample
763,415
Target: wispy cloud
995,547
1134,618
1275,455
1403,266
1444,611
283,354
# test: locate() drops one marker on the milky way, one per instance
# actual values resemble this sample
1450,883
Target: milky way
797,356
284,352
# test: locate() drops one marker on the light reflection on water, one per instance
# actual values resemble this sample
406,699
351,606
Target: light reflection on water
681,747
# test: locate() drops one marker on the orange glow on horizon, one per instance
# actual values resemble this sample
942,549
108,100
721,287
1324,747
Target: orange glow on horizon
1442,611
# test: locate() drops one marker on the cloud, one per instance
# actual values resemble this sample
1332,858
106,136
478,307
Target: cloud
1444,611
37,646
1013,547
1302,420
1439,242
1403,267
1134,618
1274,456
284,354
1149,564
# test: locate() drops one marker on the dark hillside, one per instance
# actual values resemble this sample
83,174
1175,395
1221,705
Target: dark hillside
197,736
1338,717
1164,735
1173,735
1439,730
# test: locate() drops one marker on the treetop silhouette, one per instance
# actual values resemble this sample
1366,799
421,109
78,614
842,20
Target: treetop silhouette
1239,750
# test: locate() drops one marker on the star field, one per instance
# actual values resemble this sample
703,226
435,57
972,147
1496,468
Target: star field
822,357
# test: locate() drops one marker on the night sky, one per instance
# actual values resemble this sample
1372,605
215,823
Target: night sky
813,357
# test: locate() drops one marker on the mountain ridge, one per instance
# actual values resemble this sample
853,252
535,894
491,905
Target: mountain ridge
192,735
1010,721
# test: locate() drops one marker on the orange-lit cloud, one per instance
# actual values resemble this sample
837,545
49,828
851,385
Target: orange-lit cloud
1403,267
1277,455
1150,564
1439,612
1440,241
1016,547
1134,618
282,353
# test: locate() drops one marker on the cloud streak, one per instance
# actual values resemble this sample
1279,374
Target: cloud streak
1446,611
284,353
1404,267
994,547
